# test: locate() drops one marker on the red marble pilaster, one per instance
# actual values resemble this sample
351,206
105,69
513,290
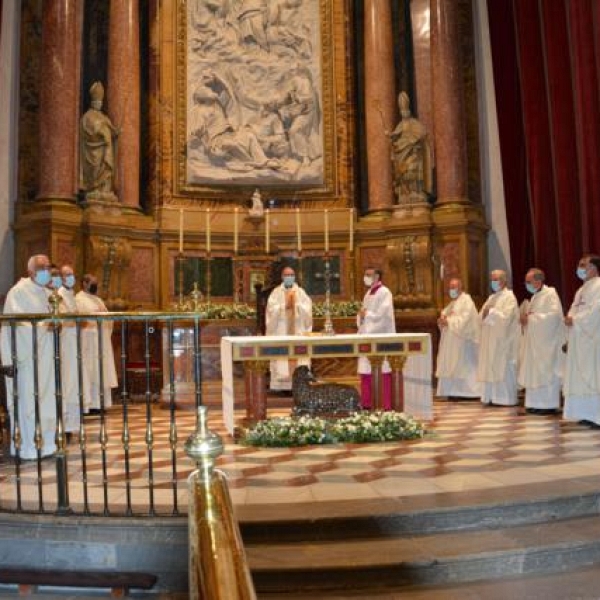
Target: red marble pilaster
380,101
58,114
448,114
124,95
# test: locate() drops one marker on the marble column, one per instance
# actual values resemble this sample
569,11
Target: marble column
448,112
380,101
123,95
58,114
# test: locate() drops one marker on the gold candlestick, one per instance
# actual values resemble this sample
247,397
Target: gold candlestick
208,278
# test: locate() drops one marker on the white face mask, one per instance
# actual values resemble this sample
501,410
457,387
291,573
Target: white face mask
453,293
368,281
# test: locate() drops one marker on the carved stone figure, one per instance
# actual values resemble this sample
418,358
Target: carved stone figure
98,149
237,148
257,209
411,155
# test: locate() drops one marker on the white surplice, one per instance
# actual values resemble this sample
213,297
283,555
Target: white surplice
68,356
541,350
28,297
498,349
459,350
581,386
379,318
90,303
283,321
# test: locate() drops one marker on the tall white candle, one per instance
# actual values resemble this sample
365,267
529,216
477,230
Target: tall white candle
208,229
351,229
298,230
326,230
235,230
267,232
181,231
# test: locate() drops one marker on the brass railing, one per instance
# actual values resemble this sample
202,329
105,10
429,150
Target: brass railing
218,569
112,468
109,468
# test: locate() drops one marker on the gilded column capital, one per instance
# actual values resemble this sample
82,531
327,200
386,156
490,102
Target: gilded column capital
397,362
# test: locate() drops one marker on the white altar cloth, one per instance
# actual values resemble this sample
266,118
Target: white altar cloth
418,391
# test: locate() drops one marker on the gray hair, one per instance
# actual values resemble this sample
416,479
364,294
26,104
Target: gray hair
34,260
538,274
500,274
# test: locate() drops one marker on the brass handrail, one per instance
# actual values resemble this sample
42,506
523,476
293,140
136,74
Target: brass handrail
218,568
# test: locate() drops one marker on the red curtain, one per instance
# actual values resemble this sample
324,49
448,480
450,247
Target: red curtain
546,61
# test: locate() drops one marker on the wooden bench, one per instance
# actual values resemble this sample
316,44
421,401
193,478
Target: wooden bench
119,582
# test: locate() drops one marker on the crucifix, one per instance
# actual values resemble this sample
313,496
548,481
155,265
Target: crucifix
327,276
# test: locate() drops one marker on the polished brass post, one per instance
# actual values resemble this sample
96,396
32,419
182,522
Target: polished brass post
62,471
218,569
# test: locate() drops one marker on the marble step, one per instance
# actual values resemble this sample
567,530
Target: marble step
438,558
547,501
581,584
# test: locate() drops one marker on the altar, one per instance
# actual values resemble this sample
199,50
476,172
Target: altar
409,355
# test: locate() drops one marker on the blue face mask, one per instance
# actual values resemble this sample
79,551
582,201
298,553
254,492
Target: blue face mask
582,273
453,293
288,281
42,277
531,288
56,282
70,281
495,286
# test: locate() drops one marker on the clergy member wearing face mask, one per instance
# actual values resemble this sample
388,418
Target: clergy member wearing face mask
68,352
499,344
582,370
375,316
542,340
289,312
459,345
30,295
89,302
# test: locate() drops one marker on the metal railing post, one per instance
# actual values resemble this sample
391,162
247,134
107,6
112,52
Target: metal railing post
218,569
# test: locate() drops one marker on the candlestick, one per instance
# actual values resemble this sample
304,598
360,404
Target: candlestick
235,230
298,230
267,232
208,229
181,230
326,231
351,242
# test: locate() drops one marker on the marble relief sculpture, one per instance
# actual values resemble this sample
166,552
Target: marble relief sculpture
98,149
411,157
254,92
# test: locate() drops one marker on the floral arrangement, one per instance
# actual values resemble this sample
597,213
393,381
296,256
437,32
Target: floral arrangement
245,311
360,427
337,309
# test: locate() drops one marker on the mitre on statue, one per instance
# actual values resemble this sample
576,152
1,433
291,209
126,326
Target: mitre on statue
97,91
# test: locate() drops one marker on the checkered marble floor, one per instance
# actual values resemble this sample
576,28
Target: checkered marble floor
469,447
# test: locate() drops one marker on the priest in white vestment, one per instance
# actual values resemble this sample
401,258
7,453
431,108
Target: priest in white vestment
68,351
459,345
581,386
289,312
541,345
88,302
30,295
375,316
499,345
